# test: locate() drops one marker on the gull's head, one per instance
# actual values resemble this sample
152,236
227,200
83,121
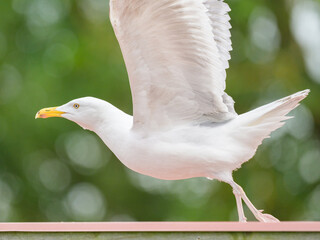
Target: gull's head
87,112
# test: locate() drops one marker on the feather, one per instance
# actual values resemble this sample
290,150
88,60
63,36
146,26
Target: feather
176,53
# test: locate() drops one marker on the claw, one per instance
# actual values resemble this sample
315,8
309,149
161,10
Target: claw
267,218
244,220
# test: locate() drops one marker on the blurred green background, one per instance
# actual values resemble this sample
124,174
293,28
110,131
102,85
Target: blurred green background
52,51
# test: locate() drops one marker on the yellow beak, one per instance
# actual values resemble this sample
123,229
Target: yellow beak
49,112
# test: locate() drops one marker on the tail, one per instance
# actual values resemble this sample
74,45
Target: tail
258,124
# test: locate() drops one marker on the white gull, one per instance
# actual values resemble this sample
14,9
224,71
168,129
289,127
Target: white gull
184,124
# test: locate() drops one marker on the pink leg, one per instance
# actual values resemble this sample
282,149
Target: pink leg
240,194
241,215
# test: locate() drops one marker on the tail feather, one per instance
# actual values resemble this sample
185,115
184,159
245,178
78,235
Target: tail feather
275,111
258,124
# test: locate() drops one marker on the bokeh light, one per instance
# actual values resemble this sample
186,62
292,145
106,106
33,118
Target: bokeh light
54,175
309,166
95,11
84,202
313,207
264,35
305,25
10,83
84,152
58,60
6,198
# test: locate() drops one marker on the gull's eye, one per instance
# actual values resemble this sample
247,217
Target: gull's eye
76,105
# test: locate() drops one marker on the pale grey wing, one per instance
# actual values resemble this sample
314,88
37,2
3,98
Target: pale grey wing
176,64
218,12
219,17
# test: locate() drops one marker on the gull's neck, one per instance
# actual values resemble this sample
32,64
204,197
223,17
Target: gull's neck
113,128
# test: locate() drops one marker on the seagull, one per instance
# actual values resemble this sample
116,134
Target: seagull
184,124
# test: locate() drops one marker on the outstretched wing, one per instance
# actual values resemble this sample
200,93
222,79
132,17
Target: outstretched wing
176,53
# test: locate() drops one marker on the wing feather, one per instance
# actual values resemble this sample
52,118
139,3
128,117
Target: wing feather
219,17
176,53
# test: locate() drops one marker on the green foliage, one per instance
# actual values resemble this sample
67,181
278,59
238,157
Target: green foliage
54,51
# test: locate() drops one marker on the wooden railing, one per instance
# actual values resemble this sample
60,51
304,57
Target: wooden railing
160,230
